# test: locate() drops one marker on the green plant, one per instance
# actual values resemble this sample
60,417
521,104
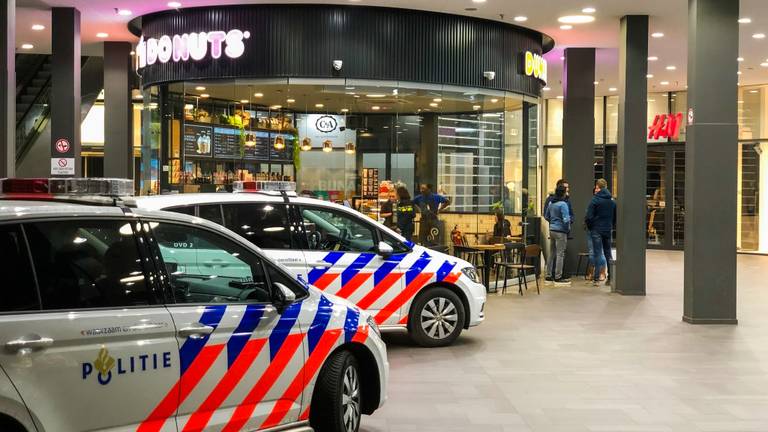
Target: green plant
296,154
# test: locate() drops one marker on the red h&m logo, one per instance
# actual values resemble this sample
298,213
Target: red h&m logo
665,126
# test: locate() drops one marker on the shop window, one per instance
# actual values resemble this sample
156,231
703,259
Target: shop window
266,225
205,267
612,119
554,122
19,291
87,264
333,231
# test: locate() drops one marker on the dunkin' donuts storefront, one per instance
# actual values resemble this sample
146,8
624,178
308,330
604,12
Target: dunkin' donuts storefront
345,100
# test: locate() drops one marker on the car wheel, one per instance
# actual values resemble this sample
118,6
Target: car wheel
336,401
437,318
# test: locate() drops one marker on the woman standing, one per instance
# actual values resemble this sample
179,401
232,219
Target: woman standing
405,213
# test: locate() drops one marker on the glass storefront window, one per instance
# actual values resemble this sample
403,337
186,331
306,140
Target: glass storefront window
612,119
554,122
599,123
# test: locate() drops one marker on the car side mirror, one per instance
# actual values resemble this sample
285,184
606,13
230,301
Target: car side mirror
384,249
284,297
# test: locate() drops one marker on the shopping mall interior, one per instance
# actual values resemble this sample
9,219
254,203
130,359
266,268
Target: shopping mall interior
489,105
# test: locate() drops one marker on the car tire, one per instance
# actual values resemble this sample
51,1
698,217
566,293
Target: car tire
337,398
437,318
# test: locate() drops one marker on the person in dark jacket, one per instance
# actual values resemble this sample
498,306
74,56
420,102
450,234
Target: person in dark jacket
405,213
600,220
502,228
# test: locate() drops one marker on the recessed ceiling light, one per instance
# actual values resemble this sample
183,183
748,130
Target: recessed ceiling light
753,91
290,100
27,46
741,101
199,88
132,52
123,12
566,27
649,76
588,10
612,89
576,19
596,83
738,73
204,95
244,101
560,97
562,57
494,100
546,89
345,110
671,67
437,100
375,107
318,105
258,94
433,104
476,107
38,27
275,107
478,1
652,58
664,83
102,35
739,59
174,4
759,35
657,35
764,64
745,20
376,95
521,18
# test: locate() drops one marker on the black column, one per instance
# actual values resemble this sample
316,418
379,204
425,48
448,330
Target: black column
118,112
632,155
65,92
711,163
578,141
7,89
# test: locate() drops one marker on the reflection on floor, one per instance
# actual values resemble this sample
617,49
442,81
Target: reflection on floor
581,359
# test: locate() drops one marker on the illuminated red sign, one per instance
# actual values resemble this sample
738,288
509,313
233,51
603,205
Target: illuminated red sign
665,126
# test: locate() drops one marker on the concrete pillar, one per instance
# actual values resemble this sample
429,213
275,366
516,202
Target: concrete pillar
578,141
7,88
710,163
632,155
118,112
65,92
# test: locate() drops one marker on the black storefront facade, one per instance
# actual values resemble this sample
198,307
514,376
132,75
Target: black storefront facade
347,101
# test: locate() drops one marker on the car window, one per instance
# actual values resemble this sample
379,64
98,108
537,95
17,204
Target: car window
211,212
265,224
331,230
277,276
205,267
87,264
187,210
18,289
397,246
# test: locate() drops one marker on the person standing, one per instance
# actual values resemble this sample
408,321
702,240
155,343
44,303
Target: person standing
405,213
600,220
548,201
559,218
430,205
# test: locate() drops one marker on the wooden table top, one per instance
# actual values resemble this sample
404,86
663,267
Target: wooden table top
497,246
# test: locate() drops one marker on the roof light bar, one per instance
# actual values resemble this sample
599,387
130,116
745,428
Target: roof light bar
263,186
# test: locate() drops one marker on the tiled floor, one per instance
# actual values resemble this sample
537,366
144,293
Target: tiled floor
582,359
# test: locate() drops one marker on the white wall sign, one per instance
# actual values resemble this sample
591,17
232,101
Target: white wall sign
62,166
195,46
321,127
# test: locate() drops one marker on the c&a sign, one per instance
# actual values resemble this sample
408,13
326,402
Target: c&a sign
665,126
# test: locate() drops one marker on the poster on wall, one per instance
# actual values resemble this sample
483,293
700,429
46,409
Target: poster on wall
197,141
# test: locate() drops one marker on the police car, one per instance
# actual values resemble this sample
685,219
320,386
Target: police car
342,252
130,319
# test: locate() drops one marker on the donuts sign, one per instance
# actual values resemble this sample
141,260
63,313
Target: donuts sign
194,46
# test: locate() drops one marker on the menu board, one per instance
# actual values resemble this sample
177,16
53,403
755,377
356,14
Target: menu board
370,183
285,154
226,142
261,150
197,141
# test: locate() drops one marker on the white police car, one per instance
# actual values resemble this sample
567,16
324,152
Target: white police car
342,252
130,319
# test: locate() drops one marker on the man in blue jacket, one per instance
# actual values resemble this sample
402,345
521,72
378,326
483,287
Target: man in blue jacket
559,218
600,220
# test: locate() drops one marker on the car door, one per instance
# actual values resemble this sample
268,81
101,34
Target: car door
237,350
342,259
94,334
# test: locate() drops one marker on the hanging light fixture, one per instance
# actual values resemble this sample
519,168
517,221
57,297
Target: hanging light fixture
328,146
250,139
279,142
349,148
306,144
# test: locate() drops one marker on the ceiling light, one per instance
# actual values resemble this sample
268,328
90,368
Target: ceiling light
664,83
657,35
319,105
562,57
476,107
38,27
437,100
566,27
652,58
546,89
738,73
739,59
612,89
204,95
433,104
244,101
290,100
258,94
745,20
123,12
375,107
649,76
576,19
759,35
494,100
102,35
132,52
753,91
671,67
764,64
560,97
478,1
345,110
199,88
27,46
376,95
596,83
174,4
588,10
741,101
521,18
275,107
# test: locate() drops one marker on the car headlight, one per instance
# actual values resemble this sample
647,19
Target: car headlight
372,324
471,273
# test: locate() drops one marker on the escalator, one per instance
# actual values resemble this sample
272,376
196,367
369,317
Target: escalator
33,113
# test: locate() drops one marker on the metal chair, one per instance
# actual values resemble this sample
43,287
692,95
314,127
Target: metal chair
510,257
532,252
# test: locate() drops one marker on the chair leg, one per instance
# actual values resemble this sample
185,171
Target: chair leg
538,291
506,271
525,279
519,282
496,285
